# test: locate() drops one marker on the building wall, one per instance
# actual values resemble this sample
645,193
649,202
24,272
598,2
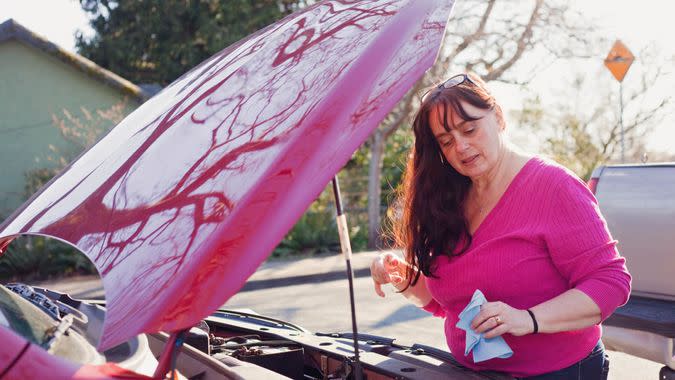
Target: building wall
34,86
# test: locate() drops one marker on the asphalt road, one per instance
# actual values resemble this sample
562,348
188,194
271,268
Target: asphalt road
324,307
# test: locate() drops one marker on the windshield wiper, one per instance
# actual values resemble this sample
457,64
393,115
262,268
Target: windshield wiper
259,319
55,332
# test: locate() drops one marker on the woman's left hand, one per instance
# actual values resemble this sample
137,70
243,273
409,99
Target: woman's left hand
497,318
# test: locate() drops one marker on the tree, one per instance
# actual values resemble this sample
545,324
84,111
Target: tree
156,41
586,132
489,38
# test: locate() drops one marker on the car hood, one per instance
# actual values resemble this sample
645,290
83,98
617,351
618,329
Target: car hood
179,203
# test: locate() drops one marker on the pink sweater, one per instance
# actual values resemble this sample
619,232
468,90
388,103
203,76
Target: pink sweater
545,235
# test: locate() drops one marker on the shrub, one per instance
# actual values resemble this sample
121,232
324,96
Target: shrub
314,233
31,258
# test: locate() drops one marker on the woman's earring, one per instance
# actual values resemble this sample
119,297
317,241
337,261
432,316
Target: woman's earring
440,154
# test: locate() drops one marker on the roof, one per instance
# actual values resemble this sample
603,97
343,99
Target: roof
11,29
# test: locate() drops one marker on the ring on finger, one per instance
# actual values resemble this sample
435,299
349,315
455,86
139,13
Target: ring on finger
498,320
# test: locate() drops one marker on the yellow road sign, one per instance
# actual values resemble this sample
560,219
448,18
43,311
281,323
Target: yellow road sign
618,60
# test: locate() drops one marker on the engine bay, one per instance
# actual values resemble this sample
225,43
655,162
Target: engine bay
226,344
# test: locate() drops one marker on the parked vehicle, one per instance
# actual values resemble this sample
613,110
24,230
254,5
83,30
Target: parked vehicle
638,202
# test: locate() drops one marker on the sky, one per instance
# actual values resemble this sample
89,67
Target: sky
637,23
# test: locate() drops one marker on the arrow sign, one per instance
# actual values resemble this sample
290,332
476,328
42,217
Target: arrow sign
618,60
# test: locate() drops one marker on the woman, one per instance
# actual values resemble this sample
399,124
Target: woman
478,214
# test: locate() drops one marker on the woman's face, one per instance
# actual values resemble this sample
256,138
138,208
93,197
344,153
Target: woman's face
471,147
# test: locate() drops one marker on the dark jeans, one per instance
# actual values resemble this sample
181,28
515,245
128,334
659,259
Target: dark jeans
595,366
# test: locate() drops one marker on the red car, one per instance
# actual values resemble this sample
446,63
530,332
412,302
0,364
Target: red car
179,204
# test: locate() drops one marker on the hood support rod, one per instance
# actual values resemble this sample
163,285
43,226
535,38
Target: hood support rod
167,360
346,246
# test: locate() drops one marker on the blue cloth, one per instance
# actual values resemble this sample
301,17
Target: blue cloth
483,349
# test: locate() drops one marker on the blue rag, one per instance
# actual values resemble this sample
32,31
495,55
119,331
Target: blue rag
483,349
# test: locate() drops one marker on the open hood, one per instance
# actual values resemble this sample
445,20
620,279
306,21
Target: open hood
180,203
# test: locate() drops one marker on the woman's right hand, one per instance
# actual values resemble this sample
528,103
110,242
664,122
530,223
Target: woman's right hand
387,268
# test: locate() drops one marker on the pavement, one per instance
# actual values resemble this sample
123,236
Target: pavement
271,274
277,273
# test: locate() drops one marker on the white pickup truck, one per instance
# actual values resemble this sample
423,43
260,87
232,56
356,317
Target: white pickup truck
638,202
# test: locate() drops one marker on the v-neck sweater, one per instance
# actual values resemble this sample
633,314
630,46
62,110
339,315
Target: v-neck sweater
544,236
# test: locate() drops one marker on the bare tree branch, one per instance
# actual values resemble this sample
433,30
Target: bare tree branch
492,38
522,44
469,39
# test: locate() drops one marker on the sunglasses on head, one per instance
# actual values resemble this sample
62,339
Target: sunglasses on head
453,81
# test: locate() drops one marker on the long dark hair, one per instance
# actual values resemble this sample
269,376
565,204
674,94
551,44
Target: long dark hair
432,195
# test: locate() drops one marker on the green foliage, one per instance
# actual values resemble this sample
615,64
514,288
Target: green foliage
567,139
81,131
37,258
355,173
395,158
36,178
156,41
315,232
574,147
